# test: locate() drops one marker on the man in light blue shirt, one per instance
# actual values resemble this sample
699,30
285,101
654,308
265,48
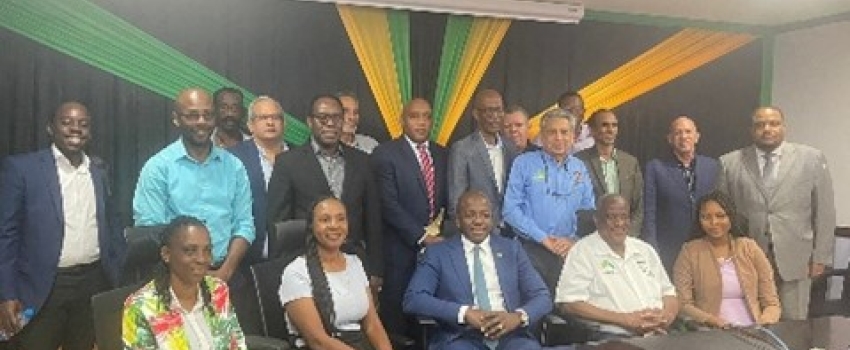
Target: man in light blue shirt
193,177
545,190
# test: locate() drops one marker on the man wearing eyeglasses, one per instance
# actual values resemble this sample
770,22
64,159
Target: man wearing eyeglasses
545,191
483,159
326,167
193,177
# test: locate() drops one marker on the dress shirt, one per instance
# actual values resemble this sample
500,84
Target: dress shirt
491,277
611,174
217,192
414,146
497,161
267,161
197,330
777,158
79,210
542,196
364,143
584,140
595,274
333,166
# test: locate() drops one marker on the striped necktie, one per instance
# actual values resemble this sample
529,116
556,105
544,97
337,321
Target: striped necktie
427,167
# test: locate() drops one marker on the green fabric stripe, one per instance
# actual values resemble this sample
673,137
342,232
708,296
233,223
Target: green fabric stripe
399,23
91,34
454,43
767,53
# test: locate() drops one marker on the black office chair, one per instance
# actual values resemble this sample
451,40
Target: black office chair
558,329
107,308
820,305
142,253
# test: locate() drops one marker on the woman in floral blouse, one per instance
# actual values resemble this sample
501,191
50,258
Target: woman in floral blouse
182,307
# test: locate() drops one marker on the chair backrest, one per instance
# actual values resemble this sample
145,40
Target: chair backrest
290,237
108,308
267,278
142,253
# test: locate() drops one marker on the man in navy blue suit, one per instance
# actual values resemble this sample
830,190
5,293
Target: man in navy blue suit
480,287
58,246
266,122
411,176
673,183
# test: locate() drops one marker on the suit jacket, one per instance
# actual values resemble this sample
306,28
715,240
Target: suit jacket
699,285
292,194
32,226
669,211
441,285
404,198
629,176
249,154
148,323
470,168
799,211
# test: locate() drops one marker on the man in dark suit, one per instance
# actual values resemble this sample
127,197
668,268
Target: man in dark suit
266,122
480,287
673,184
411,173
483,159
612,170
325,167
58,244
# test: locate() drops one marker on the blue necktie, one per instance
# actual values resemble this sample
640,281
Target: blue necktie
481,296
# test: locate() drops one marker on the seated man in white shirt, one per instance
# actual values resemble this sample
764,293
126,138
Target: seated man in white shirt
614,281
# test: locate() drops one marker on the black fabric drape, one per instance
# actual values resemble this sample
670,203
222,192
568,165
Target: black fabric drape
293,50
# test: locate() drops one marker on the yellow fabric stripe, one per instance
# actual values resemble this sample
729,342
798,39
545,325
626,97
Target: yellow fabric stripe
368,30
681,53
484,39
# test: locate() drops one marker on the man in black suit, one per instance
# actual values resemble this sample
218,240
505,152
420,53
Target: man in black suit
411,173
325,167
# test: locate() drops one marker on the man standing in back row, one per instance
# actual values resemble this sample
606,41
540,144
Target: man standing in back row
784,190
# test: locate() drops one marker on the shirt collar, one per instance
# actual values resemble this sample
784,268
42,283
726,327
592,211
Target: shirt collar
415,145
64,162
318,150
603,249
468,246
175,303
487,145
215,152
548,159
777,152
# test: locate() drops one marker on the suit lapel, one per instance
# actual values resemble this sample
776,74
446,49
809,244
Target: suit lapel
458,258
48,165
751,164
481,152
312,165
411,158
622,175
788,162
502,269
596,169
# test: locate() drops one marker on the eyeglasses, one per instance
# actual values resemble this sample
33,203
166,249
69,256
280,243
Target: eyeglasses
491,110
326,119
194,116
267,117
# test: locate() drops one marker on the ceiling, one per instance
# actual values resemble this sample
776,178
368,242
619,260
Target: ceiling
748,12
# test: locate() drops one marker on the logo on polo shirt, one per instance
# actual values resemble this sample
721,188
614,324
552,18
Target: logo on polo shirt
608,267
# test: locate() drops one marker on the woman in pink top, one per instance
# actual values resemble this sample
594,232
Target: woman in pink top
723,278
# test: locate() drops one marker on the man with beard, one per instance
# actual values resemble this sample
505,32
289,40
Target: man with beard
613,171
193,177
483,159
58,244
326,167
230,111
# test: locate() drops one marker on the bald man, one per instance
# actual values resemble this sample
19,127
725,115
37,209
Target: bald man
411,173
58,247
673,183
193,177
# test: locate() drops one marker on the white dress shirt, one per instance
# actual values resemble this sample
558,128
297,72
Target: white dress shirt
497,161
491,277
79,211
777,158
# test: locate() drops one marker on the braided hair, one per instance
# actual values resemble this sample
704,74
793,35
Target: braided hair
319,281
162,274
726,203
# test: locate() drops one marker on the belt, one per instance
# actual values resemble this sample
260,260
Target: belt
79,269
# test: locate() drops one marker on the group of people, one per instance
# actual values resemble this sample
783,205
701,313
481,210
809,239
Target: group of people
485,238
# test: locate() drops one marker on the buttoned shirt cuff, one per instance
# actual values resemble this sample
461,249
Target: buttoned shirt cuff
461,314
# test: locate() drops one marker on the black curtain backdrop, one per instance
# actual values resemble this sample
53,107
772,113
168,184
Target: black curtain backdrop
293,50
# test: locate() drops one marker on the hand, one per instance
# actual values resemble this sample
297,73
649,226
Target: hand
642,322
716,322
429,240
499,323
10,311
816,270
558,246
475,318
376,284
224,273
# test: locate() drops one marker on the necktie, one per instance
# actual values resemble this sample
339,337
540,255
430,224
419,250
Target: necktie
427,168
482,298
767,171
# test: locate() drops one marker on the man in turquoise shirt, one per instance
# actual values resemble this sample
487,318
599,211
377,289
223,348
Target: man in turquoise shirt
193,177
545,190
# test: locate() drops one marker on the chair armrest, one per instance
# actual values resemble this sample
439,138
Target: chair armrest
258,342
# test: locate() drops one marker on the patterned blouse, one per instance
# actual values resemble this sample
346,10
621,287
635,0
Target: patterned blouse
150,324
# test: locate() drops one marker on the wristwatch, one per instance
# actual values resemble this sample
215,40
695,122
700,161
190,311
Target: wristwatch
523,317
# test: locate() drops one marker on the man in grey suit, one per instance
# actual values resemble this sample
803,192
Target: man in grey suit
612,170
784,190
483,159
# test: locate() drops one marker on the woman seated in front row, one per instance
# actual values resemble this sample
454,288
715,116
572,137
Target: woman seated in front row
326,292
724,279
182,307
